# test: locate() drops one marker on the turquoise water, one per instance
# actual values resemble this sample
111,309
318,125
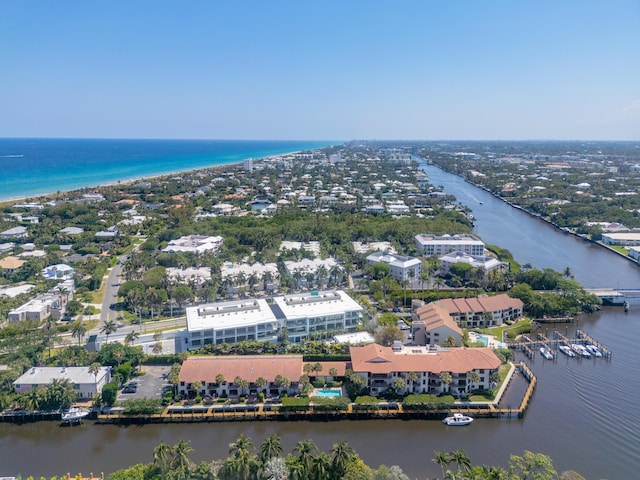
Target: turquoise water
328,392
483,340
31,166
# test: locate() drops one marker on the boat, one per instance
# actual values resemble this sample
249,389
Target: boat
74,414
457,419
595,351
567,351
580,350
546,353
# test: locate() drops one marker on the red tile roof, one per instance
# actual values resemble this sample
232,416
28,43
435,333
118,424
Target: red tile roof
434,315
375,358
247,367
480,304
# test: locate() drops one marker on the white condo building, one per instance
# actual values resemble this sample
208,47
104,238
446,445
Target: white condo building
441,245
257,320
401,268
85,383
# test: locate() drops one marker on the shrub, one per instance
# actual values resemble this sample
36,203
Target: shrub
110,393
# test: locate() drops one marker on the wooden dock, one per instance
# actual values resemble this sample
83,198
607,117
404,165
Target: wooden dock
528,345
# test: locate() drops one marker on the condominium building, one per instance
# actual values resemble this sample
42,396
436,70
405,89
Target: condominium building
483,312
230,322
441,245
420,368
401,268
255,319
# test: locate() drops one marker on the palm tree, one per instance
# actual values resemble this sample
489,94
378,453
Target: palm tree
321,467
78,330
341,453
399,385
461,460
473,377
267,277
131,337
108,328
94,369
162,458
241,383
321,274
180,460
240,450
260,382
446,378
443,459
306,449
220,379
270,448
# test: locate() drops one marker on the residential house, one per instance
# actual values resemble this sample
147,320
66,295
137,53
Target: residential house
86,384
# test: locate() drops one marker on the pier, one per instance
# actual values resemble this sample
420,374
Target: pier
529,346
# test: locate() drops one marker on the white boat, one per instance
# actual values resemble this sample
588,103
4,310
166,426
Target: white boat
74,414
567,351
546,353
457,419
580,350
595,351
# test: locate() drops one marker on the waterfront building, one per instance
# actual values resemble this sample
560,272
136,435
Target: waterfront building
483,312
400,267
433,325
381,366
220,376
440,245
230,322
86,384
627,239
307,313
486,262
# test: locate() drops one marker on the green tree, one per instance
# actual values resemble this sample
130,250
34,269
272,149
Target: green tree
78,330
271,447
108,328
531,466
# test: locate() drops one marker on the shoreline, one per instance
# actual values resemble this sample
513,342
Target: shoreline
155,176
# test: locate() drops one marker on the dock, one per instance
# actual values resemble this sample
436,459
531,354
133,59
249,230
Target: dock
529,346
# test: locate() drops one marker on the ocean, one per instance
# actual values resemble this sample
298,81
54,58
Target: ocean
31,167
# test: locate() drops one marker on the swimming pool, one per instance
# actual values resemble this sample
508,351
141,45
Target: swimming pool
328,392
482,339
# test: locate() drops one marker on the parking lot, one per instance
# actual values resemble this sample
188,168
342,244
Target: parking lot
149,385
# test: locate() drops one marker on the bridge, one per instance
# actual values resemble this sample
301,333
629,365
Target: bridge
614,296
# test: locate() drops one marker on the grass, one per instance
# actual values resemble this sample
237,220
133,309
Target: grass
522,326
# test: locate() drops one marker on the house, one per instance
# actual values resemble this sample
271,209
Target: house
15,232
627,239
59,271
420,368
72,231
433,325
307,271
190,274
483,312
86,384
440,245
401,268
10,265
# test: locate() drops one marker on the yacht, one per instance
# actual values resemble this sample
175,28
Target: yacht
457,419
567,351
546,353
74,414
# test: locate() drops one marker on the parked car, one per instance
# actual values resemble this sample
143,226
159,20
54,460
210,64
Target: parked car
130,389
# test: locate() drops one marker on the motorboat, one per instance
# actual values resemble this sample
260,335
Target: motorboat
457,419
74,414
567,351
595,351
546,353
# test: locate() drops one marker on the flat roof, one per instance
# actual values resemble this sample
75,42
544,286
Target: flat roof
313,304
233,314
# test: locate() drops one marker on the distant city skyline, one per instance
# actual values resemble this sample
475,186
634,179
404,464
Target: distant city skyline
412,70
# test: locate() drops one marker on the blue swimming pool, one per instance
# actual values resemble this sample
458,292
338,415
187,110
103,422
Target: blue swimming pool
484,340
328,392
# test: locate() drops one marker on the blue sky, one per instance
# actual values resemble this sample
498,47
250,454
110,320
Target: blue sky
337,70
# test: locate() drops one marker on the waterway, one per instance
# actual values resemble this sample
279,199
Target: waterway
584,413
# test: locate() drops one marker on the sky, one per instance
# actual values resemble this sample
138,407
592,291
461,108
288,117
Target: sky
324,70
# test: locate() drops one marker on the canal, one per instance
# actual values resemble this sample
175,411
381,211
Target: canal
584,413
